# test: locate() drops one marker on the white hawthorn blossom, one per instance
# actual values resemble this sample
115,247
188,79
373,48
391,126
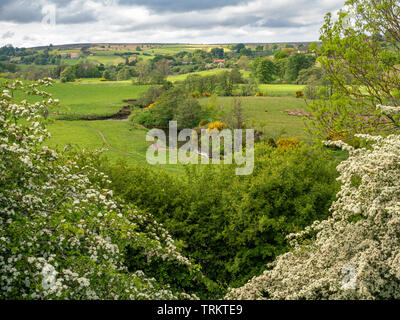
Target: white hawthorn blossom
355,254
62,236
388,110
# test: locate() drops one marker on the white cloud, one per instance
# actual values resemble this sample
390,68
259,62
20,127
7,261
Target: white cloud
153,21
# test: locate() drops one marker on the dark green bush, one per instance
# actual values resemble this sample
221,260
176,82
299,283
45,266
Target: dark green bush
145,118
233,225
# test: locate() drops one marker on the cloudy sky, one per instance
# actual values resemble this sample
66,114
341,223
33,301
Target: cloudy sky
41,22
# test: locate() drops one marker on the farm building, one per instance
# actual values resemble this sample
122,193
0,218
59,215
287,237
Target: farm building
220,62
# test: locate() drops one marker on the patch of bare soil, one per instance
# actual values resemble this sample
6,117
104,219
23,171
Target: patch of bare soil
131,101
122,114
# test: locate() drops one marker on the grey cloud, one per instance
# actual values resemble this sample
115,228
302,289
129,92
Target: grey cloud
213,20
179,20
23,11
74,18
28,38
161,6
271,15
280,23
20,11
8,35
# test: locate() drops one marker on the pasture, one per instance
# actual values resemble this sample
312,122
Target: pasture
267,114
120,138
182,77
90,97
78,100
280,90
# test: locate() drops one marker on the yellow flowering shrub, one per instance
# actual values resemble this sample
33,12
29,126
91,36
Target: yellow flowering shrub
334,135
285,144
196,95
216,125
150,106
299,94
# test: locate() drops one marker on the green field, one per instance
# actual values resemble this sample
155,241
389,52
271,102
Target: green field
182,77
280,90
106,55
120,138
106,59
26,66
267,114
92,97
101,99
272,90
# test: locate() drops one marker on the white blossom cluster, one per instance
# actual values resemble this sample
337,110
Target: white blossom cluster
389,110
62,234
355,254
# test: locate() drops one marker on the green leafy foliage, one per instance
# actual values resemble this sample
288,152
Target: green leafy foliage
361,56
222,83
297,62
263,69
233,225
68,75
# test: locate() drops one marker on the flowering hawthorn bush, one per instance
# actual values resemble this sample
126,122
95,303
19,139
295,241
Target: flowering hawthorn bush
62,233
355,254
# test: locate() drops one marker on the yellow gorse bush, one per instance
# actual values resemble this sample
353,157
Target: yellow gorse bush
196,95
299,94
150,106
285,144
217,125
335,135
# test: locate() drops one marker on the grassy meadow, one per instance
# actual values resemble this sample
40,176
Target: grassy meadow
267,114
90,98
124,141
280,90
78,100
105,54
182,77
120,139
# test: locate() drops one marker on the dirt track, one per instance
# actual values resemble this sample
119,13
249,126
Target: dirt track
107,143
